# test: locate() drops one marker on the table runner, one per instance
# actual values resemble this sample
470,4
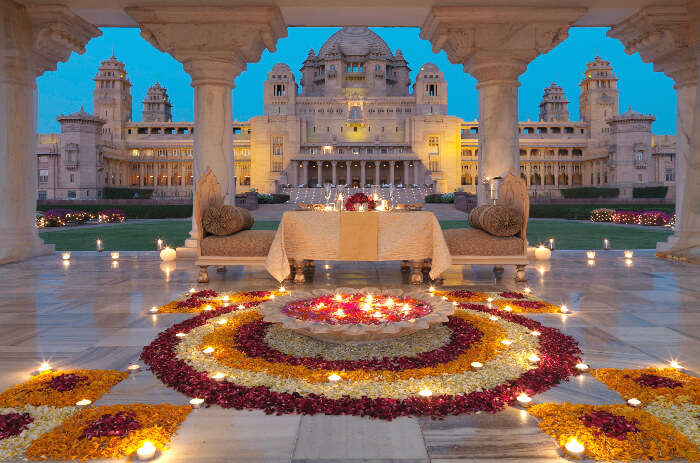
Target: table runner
316,235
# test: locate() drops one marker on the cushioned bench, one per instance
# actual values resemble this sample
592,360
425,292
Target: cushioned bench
472,246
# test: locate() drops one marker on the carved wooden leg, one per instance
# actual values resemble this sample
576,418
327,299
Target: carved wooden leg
427,265
308,263
497,269
221,268
520,275
299,276
405,266
203,274
416,272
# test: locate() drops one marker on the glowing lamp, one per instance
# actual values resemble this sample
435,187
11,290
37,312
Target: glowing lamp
181,335
524,400
115,255
219,376
535,333
533,358
542,253
338,297
527,290
634,402
222,321
339,313
506,342
241,307
431,289
133,368
606,244
146,451
425,392
582,366
153,309
196,402
574,447
629,254
564,309
508,308
676,365
272,296
65,256
590,255
168,254
489,299
44,367
98,246
493,318
208,350
334,378
225,298
84,403
477,365
192,291
208,307
282,289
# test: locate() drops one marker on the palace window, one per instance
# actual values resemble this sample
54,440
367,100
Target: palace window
277,150
42,195
71,194
162,153
280,90
668,174
43,175
434,153
431,90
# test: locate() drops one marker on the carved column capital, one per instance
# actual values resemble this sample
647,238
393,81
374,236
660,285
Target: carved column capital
496,43
662,35
214,44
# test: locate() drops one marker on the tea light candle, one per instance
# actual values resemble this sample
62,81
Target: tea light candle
192,290
674,364
574,447
181,335
334,378
65,256
493,318
241,307
533,358
208,350
542,253
208,307
527,290
431,289
222,321
133,368
99,246
535,333
282,289
582,366
219,376
506,342
590,255
168,254
634,402
564,309
551,244
629,254
159,244
425,392
477,365
153,309
524,400
84,403
196,402
606,244
146,451
115,255
44,367
508,308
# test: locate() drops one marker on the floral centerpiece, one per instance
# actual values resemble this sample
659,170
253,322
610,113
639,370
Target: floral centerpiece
359,198
356,316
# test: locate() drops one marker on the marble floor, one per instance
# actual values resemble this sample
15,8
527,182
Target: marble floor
91,314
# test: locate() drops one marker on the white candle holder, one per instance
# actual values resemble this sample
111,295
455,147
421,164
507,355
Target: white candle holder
606,244
551,244
65,256
160,244
99,246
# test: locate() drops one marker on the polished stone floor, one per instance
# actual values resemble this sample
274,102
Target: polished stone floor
91,314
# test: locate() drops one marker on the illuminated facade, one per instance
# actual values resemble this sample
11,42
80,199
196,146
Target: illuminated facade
357,120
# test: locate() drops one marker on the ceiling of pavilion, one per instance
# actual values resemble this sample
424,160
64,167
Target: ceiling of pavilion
362,12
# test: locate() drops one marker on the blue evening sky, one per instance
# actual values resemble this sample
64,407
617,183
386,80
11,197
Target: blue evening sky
65,90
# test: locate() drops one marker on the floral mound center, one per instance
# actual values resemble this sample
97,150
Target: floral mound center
357,309
231,376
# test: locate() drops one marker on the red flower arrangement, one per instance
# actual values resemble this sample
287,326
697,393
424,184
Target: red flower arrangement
512,295
13,424
656,382
118,424
356,309
559,355
614,426
197,299
66,382
359,198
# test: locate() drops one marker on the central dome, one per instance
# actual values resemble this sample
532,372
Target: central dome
355,41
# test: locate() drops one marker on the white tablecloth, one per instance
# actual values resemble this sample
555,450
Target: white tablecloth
315,235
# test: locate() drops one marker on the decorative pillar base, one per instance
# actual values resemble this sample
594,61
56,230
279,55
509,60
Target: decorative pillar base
16,247
189,250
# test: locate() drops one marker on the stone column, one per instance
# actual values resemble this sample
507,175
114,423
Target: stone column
214,45
334,165
319,166
405,173
305,173
392,166
668,37
495,45
294,173
377,166
348,173
32,40
363,179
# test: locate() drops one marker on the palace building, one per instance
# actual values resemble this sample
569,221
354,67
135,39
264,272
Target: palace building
357,120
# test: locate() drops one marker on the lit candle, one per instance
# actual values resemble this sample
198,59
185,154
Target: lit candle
115,255
222,321
282,289
477,365
634,402
524,400
225,298
168,254
527,290
590,254
574,447
44,367
208,307
208,350
272,296
84,403
425,392
98,246
564,309
219,376
629,254
153,309
192,290
65,256
390,302
133,368
146,451
606,244
431,289
334,378
674,364
542,253
196,402
493,318
506,342
159,244
533,358
181,335
368,298
582,366
339,313
551,244
241,307
535,333
508,308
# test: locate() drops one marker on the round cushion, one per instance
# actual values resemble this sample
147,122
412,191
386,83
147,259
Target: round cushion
496,220
226,220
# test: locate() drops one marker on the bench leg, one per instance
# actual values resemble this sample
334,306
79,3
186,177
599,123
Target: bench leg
520,275
405,266
221,268
308,263
299,276
416,272
497,269
203,274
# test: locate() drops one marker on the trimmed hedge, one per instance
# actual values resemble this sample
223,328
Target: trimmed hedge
583,211
136,211
440,198
126,193
650,192
590,192
275,198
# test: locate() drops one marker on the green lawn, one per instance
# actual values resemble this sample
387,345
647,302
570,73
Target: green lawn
142,236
